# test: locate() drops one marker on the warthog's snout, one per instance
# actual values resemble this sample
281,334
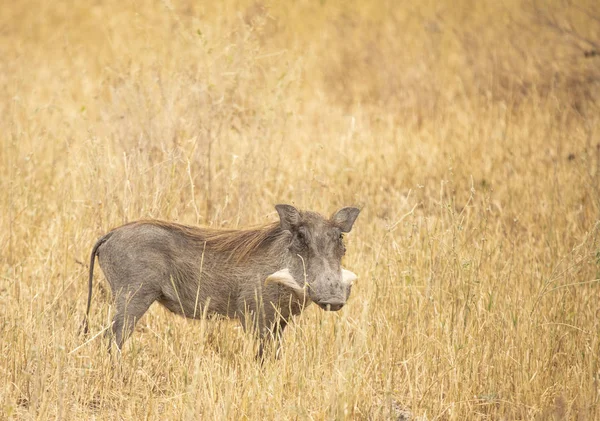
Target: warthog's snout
331,305
283,277
328,292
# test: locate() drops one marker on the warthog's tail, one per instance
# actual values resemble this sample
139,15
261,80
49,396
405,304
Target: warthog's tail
84,326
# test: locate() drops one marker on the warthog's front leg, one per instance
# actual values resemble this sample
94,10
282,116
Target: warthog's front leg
266,324
273,334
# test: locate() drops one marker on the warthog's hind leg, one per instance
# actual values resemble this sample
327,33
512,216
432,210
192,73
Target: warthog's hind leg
130,307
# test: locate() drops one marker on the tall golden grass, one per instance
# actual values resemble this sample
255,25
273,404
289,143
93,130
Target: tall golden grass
467,131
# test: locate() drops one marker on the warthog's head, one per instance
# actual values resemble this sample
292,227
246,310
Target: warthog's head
315,249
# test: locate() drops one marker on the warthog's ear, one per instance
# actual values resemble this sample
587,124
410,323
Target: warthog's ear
345,217
288,216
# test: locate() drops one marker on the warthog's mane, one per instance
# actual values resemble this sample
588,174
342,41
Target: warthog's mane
237,244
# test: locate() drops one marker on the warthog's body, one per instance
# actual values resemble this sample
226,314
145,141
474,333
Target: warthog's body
263,275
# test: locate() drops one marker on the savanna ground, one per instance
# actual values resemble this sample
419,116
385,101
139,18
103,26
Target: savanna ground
467,131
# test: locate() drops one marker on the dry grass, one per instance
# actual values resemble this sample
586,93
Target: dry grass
469,133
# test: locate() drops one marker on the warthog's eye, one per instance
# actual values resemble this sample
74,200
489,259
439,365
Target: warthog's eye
341,239
301,238
341,243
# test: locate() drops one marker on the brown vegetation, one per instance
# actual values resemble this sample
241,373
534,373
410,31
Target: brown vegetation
468,132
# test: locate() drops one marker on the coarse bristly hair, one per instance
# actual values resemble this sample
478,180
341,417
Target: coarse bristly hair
237,244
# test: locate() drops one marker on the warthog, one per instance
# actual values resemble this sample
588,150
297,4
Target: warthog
263,275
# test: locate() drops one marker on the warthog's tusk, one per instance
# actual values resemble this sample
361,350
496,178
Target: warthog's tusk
348,277
285,278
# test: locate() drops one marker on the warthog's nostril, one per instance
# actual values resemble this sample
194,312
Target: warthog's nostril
331,305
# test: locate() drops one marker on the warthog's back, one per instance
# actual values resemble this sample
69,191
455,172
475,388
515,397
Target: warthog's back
188,267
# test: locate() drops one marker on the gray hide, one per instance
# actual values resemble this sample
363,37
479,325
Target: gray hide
262,276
